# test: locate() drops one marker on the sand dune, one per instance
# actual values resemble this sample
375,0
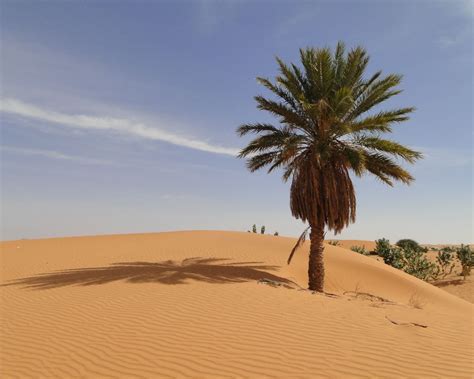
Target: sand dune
193,304
347,244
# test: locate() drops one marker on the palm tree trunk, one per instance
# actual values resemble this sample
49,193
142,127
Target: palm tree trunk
316,263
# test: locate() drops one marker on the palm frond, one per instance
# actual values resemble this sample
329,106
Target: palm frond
256,128
388,147
386,169
286,114
375,93
380,122
301,241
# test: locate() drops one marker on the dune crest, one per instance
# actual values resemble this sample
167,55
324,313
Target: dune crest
219,304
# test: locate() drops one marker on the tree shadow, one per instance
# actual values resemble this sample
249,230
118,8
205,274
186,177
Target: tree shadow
452,282
209,270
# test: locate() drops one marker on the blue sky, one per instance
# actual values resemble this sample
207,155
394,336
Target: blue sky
120,117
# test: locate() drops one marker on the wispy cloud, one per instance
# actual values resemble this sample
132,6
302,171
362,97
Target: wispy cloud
106,123
465,6
211,14
301,17
462,30
455,38
445,157
54,155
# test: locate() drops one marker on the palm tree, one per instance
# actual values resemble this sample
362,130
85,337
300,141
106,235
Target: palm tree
326,131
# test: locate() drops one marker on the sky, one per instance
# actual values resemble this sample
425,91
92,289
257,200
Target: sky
120,117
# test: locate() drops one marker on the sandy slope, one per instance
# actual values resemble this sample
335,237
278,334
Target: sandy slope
188,304
347,244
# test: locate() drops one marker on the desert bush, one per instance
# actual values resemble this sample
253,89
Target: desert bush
448,249
394,257
382,247
445,264
275,234
409,256
334,243
254,228
360,250
262,229
415,263
409,244
411,261
466,257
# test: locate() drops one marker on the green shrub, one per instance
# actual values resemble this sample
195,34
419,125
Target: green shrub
445,261
360,250
394,257
334,243
409,256
262,229
466,257
254,228
382,247
408,244
275,234
412,261
448,249
415,263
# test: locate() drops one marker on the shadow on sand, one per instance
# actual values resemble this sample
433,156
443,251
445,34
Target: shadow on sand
452,282
209,270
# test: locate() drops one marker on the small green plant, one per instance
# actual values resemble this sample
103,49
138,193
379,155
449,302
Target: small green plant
254,228
275,234
392,256
409,244
448,249
416,264
334,243
445,261
382,247
262,229
466,257
360,250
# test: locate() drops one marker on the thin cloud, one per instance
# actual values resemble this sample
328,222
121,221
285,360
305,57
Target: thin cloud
445,157
54,155
106,123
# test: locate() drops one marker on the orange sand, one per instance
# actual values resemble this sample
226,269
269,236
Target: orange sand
347,244
189,304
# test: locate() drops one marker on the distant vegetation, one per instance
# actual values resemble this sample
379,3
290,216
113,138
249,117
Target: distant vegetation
446,264
334,243
408,255
466,257
360,250
262,230
409,244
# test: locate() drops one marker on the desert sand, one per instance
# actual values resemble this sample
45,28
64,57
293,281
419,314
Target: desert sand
219,304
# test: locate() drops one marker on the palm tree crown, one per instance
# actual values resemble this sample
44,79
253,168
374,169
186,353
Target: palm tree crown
326,131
